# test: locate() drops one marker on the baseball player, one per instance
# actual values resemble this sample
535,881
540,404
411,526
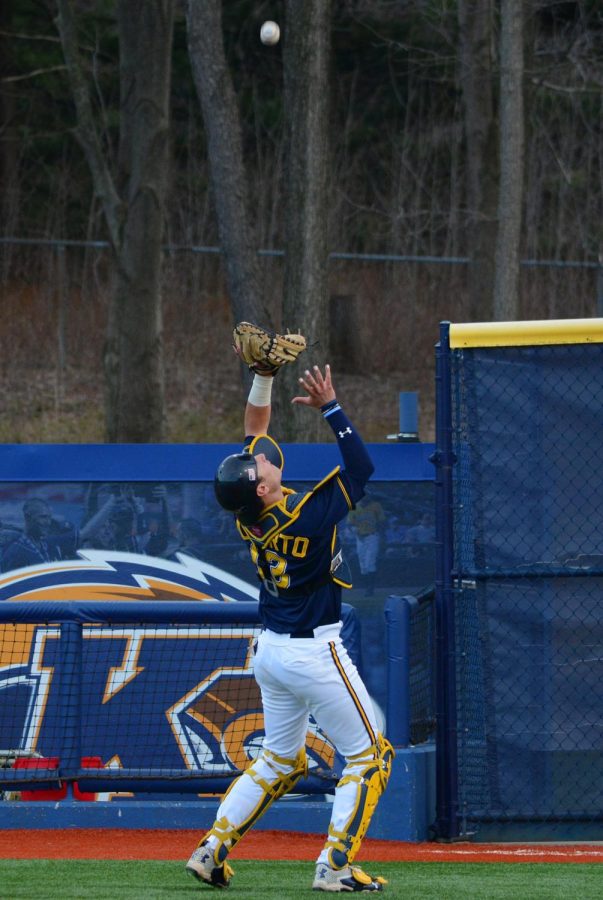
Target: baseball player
301,665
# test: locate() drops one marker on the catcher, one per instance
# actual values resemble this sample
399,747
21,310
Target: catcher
301,665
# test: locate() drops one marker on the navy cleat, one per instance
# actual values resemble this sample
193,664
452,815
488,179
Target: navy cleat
203,866
350,878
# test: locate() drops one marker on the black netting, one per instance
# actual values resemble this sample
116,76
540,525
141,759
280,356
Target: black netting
528,519
422,671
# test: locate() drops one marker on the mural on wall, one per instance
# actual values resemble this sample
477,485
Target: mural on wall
388,540
172,696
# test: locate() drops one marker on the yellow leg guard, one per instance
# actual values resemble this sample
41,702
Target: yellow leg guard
370,771
267,775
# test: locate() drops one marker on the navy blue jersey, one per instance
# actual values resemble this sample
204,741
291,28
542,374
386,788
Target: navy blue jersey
295,545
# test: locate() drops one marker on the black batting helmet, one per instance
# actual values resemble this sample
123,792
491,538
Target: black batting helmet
235,486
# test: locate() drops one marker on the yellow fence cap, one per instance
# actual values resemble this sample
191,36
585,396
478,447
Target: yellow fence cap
530,333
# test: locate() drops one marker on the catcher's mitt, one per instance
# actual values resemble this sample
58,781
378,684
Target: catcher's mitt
263,351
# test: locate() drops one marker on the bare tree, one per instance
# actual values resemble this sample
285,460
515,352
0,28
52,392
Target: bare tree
306,294
225,153
133,206
477,67
506,288
306,58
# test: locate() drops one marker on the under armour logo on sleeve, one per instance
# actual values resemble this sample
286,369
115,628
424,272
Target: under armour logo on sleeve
348,430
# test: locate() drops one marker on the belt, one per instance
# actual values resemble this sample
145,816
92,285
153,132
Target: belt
305,632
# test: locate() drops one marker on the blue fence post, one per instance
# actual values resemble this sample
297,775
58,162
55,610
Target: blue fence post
397,618
409,416
69,696
446,825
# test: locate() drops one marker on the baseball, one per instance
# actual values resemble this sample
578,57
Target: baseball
270,33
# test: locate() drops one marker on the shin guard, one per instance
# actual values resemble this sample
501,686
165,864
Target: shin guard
247,799
369,772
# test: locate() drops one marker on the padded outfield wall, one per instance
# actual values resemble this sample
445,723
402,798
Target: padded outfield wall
519,598
164,698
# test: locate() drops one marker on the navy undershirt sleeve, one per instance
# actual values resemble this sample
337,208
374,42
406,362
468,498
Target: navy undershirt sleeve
356,460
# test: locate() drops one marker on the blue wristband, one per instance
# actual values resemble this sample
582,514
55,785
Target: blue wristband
329,408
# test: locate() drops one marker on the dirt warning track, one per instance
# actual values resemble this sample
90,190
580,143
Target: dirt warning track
105,843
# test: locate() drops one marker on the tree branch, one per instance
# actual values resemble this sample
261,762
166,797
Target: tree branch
563,89
86,130
32,74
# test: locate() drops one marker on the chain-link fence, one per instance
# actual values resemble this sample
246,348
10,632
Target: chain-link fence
526,634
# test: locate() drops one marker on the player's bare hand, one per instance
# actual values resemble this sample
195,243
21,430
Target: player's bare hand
319,388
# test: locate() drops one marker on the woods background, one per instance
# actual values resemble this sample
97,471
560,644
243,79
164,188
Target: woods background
395,163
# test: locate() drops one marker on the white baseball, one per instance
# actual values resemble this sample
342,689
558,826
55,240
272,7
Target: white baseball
270,33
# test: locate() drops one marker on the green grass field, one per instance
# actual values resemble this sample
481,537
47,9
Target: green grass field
96,879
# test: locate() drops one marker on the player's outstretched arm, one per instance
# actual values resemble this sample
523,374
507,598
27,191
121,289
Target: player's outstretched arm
320,394
258,408
259,403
